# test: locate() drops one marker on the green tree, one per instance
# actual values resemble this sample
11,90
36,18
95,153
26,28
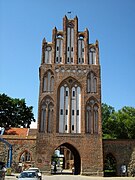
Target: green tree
118,125
125,123
14,112
107,127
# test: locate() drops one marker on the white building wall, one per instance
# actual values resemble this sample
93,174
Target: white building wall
59,45
61,120
68,45
78,107
67,108
72,45
73,108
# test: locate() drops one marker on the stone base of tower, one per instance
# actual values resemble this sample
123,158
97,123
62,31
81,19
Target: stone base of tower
87,151
93,173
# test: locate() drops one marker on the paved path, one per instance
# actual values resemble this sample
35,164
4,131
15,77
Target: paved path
75,177
79,177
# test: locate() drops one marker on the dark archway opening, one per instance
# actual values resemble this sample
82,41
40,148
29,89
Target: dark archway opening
66,160
110,165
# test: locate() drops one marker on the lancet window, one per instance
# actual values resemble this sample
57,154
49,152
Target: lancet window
48,82
48,51
59,49
70,44
92,56
25,156
81,50
70,107
46,115
91,83
92,116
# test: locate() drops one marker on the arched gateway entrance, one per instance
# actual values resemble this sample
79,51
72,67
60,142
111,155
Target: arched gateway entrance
66,159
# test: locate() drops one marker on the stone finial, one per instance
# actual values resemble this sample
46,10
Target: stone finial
97,42
44,41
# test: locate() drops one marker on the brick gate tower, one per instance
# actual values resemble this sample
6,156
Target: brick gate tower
69,111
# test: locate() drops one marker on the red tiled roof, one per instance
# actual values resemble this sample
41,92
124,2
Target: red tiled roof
17,131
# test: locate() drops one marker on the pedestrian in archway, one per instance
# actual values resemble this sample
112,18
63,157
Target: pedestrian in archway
73,169
55,168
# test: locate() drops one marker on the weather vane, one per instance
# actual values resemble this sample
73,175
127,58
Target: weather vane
69,13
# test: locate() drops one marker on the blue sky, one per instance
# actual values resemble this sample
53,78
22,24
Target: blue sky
24,23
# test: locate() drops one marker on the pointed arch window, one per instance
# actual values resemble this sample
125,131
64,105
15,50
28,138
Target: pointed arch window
92,56
59,49
70,107
48,51
25,156
92,117
88,120
48,82
91,83
46,119
81,50
70,44
95,119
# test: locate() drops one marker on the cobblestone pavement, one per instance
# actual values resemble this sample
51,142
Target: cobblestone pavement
75,177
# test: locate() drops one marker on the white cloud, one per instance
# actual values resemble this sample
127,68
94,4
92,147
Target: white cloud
33,125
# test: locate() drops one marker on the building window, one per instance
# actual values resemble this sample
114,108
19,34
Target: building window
46,118
77,113
81,50
92,116
70,45
95,124
70,104
71,59
82,60
72,112
48,82
66,93
25,157
61,111
72,127
48,51
92,56
59,49
91,83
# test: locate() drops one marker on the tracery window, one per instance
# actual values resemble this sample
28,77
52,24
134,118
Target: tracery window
59,49
91,83
48,82
92,56
80,50
92,116
70,107
46,119
25,156
48,51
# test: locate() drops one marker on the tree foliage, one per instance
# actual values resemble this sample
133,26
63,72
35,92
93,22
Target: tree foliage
118,125
14,112
107,111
